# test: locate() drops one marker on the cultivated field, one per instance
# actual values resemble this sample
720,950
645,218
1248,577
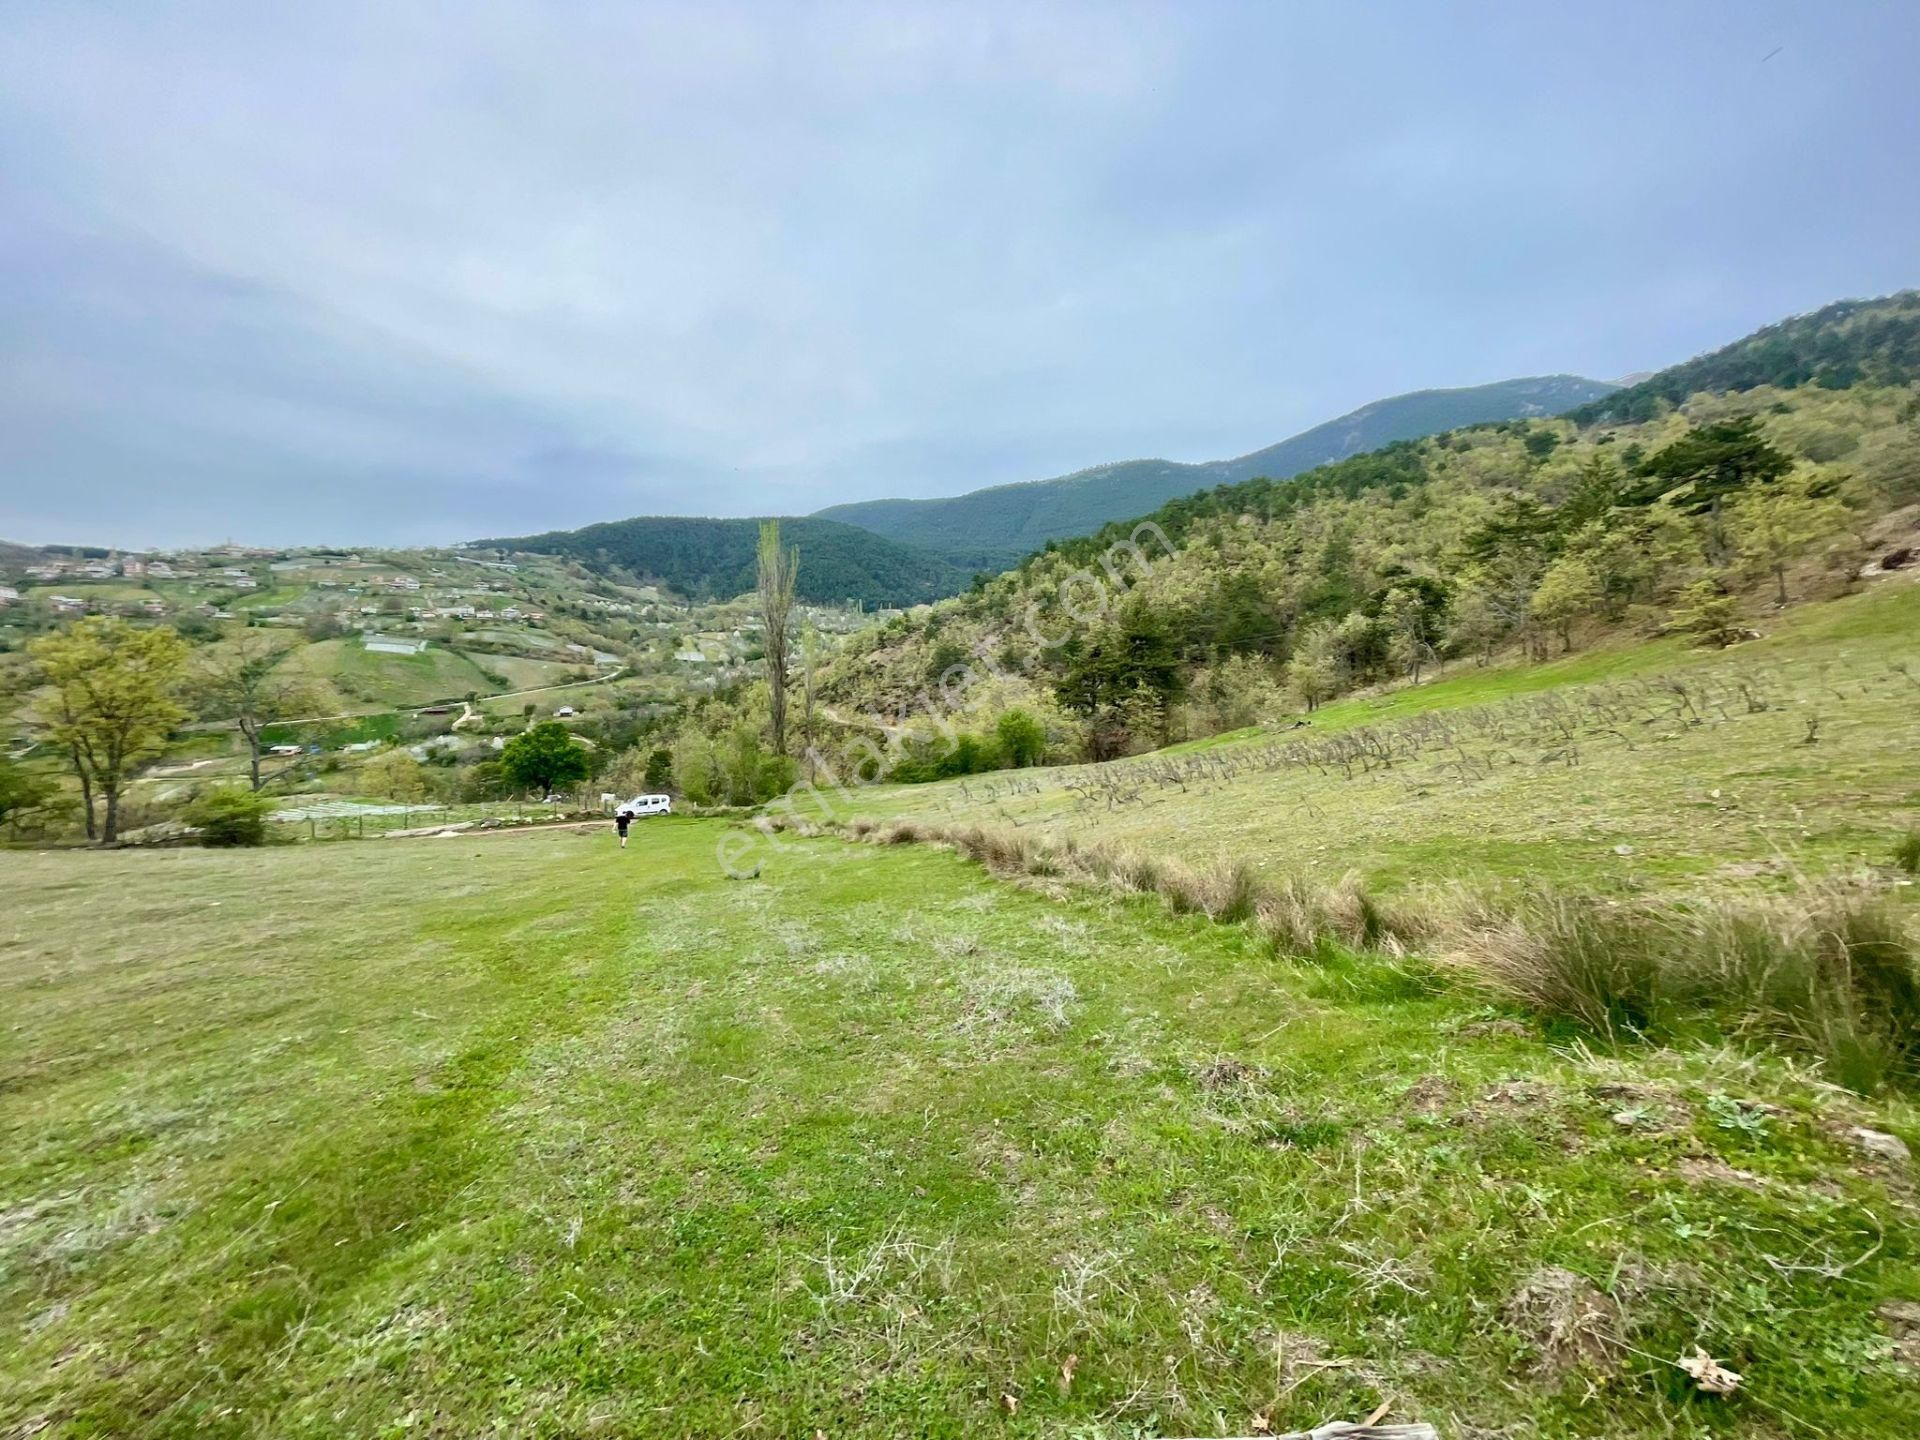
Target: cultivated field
524,1135
1643,767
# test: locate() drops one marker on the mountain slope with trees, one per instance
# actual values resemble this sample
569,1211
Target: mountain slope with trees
1535,536
706,559
1851,342
996,527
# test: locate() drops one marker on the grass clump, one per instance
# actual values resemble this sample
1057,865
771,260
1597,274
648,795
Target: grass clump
1833,972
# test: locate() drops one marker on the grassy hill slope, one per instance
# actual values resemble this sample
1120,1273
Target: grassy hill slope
714,559
1634,767
993,528
874,1145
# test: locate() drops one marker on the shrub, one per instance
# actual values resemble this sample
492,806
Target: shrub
231,817
1906,853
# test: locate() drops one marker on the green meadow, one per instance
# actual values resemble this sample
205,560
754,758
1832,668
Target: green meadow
525,1135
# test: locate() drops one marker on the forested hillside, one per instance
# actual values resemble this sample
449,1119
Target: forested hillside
994,528
705,559
1851,342
1529,536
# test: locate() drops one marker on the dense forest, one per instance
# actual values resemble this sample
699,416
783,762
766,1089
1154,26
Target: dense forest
705,559
994,528
1531,537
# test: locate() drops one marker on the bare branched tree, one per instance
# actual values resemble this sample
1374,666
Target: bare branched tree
778,571
241,682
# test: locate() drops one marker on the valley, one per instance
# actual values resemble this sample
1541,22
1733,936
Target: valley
1429,937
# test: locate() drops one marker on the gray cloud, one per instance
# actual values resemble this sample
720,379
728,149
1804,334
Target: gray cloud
422,272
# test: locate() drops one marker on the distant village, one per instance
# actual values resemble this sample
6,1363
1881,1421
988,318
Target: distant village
523,622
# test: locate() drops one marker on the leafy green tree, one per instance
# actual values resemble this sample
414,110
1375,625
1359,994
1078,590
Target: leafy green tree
1520,524
114,699
1131,664
694,764
1776,526
1315,673
395,775
23,794
546,758
1022,737
1362,643
1568,592
1700,470
778,570
660,770
1414,612
1595,491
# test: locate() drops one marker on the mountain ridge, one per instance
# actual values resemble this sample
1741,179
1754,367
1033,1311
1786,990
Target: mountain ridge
995,526
704,557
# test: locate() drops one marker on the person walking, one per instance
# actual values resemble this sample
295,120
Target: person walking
621,821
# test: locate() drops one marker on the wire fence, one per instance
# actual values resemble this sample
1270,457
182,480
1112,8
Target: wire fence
372,823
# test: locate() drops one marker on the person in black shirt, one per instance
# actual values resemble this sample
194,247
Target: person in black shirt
621,821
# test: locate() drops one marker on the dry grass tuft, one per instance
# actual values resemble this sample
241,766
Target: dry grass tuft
1832,972
1571,1325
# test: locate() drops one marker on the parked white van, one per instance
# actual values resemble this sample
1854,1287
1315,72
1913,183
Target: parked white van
649,805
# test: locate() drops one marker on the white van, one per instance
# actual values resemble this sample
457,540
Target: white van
649,805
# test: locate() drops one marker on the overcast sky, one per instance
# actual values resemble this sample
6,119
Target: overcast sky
408,272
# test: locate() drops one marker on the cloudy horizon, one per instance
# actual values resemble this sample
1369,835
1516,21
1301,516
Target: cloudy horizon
372,274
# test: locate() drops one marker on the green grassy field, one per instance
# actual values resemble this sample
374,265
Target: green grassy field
524,673
105,592
366,677
1633,768
524,1135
